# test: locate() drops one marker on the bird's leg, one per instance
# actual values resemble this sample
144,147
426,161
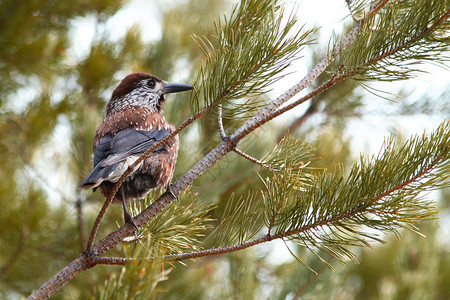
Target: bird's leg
126,214
169,191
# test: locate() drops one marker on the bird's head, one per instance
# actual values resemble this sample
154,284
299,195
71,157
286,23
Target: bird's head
144,90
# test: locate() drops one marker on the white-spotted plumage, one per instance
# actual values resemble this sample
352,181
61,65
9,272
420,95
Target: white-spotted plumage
135,105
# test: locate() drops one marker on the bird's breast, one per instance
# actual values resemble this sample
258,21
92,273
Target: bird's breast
138,118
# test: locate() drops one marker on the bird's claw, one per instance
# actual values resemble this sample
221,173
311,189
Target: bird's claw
129,220
169,191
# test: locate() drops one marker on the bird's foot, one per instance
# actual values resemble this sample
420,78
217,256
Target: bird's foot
129,220
126,215
169,191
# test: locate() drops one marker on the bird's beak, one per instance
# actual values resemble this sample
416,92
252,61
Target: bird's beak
171,87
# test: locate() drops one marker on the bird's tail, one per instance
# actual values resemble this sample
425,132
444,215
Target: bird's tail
94,179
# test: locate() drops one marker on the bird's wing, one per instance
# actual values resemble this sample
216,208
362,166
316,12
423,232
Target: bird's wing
112,151
130,142
103,149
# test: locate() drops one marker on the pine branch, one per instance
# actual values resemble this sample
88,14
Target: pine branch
267,113
252,49
138,279
230,144
239,227
385,189
364,67
402,36
290,153
178,227
117,261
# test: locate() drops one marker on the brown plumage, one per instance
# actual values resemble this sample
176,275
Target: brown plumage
133,124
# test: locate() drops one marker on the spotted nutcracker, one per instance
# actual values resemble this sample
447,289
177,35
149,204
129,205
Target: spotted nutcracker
133,124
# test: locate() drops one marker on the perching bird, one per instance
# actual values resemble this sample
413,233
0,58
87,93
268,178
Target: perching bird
133,124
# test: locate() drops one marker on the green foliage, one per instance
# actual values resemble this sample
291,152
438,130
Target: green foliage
290,153
331,212
240,222
39,94
178,228
252,48
381,193
136,280
359,7
34,37
412,267
243,277
411,32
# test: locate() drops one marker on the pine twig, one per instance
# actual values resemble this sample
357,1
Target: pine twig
118,261
352,12
256,161
220,121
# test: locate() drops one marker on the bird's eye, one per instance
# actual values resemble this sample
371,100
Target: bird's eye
151,83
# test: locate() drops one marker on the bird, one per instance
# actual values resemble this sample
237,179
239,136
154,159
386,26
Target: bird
134,122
